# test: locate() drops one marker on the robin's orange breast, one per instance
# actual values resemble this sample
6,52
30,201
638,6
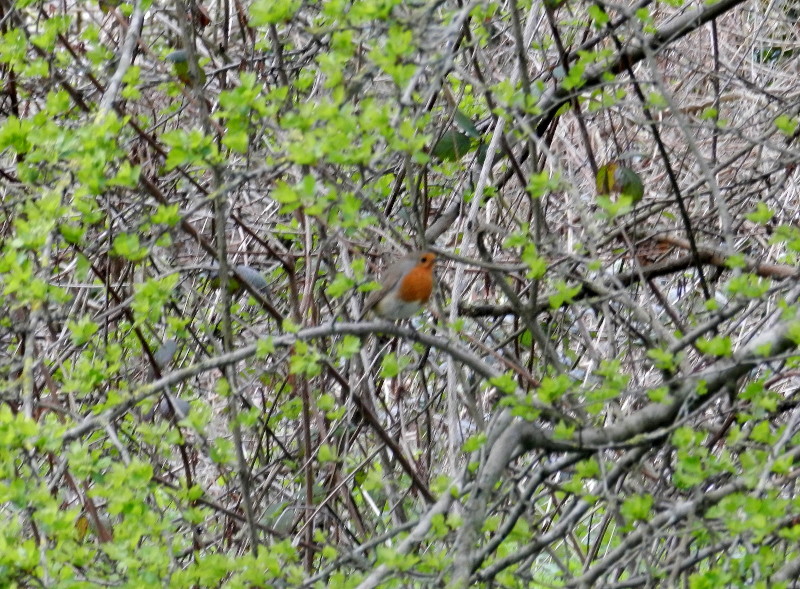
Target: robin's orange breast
417,285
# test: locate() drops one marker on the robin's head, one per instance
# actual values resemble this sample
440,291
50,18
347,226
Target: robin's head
426,259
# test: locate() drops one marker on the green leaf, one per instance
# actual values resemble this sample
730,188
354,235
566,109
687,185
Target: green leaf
612,178
762,215
189,148
272,12
348,347
657,101
589,468
615,208
236,140
265,347
505,383
327,454
151,296
573,79
292,408
598,15
604,179
564,294
392,365
564,431
629,183
659,395
221,451
452,146
168,215
126,245
474,443
14,134
306,361
326,402
708,114
748,286
736,260
284,194
637,507
289,326
81,331
181,68
541,183
762,433
537,265
465,124
72,234
663,359
127,176
341,285
786,124
720,346
553,388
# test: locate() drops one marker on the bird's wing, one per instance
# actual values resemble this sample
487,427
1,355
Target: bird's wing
390,278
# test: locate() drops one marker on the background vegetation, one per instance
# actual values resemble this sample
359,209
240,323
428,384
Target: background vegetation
195,196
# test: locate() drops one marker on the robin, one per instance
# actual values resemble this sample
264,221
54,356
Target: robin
406,286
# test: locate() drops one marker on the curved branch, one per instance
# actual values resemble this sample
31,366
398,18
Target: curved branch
636,52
